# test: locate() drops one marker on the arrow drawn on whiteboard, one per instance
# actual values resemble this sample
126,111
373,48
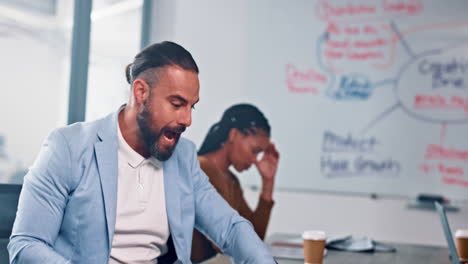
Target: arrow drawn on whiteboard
402,40
442,132
380,117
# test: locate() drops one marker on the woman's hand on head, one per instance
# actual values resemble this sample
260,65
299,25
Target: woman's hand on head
267,167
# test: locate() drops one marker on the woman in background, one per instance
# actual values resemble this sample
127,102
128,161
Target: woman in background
237,139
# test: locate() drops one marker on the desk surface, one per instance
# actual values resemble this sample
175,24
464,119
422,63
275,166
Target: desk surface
405,253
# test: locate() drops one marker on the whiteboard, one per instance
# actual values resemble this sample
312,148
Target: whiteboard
363,96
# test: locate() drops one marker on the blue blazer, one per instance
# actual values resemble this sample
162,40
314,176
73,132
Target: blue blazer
67,207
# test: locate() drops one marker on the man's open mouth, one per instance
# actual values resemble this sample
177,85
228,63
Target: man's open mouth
171,135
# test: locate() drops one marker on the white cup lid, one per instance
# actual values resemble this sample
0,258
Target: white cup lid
313,235
461,233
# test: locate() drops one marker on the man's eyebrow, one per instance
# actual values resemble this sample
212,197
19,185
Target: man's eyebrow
182,99
178,97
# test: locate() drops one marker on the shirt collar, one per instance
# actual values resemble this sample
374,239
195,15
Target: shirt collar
133,158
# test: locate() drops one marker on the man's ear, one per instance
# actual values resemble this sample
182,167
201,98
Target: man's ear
140,91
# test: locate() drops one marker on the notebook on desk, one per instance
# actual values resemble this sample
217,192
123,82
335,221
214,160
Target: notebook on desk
448,233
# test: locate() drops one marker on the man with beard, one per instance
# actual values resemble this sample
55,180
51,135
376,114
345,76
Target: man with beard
127,188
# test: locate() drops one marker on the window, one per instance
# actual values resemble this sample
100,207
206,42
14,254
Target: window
115,40
35,39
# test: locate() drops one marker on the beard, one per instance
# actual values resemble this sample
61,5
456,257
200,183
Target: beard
151,138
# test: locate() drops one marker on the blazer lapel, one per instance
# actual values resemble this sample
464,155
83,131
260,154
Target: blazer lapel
107,159
173,207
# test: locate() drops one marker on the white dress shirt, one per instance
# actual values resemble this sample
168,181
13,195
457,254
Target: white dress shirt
141,229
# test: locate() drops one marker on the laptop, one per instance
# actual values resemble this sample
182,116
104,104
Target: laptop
448,233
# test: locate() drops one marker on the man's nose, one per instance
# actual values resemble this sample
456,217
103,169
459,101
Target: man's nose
185,118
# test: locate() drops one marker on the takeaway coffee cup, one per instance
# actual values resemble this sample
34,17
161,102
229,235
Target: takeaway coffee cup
314,244
461,238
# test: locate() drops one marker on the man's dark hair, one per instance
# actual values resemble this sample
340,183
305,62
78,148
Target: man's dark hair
150,60
247,118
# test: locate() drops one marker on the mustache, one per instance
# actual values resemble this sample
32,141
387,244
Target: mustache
176,129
